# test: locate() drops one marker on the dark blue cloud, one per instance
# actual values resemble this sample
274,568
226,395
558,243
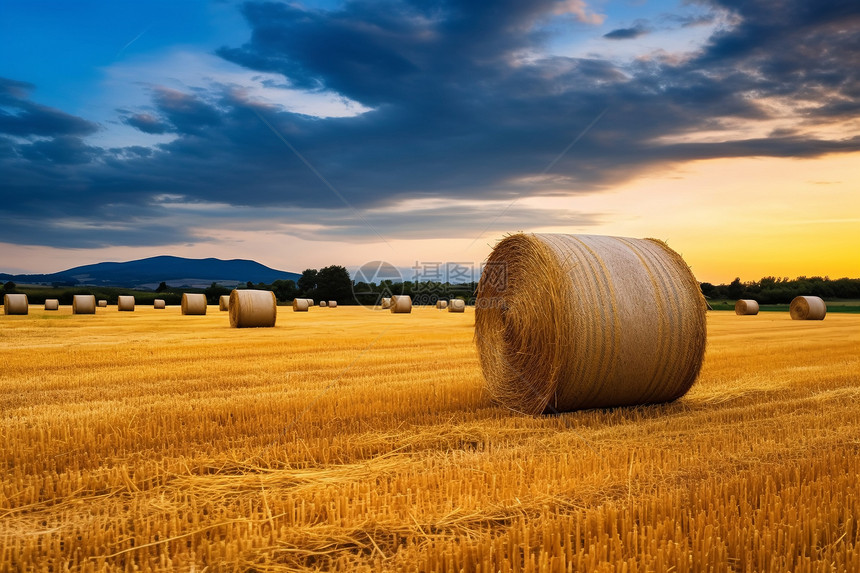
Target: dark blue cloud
627,33
25,118
147,123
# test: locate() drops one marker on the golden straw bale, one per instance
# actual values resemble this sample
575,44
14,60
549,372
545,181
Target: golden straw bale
52,304
125,303
158,303
401,304
84,304
251,308
193,303
332,304
441,304
746,307
568,322
807,308
457,305
323,303
386,302
16,304
224,302
300,305
102,303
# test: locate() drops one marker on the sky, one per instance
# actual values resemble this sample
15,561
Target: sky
308,134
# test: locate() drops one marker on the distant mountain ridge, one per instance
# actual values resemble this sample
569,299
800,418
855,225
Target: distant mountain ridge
149,272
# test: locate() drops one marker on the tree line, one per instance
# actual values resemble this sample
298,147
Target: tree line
773,290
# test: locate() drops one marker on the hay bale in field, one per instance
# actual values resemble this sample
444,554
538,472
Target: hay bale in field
568,322
401,304
52,304
386,302
84,304
102,303
441,304
224,302
323,303
125,303
16,304
158,303
251,308
193,303
457,305
300,305
807,308
311,302
746,307
332,304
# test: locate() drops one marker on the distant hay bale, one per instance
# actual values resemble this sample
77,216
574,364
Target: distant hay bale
102,303
251,308
569,322
125,303
193,303
807,308
16,304
323,303
310,302
332,304
84,304
158,303
52,304
442,304
224,302
386,302
300,305
457,305
401,304
746,307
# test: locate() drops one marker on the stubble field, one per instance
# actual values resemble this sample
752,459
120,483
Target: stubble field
351,439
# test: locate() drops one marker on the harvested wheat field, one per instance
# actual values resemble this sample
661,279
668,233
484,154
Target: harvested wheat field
364,441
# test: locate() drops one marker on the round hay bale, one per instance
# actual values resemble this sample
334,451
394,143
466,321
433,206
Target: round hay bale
300,305
332,304
224,302
193,303
84,304
441,304
807,308
158,303
310,302
569,322
15,304
401,304
251,308
125,303
52,304
746,307
386,302
102,303
323,303
457,305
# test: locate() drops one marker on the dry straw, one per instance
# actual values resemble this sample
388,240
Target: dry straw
125,303
332,304
323,303
386,302
253,308
84,304
224,302
102,303
16,304
568,322
300,305
442,304
401,304
310,302
457,305
158,303
807,308
746,307
193,303
52,304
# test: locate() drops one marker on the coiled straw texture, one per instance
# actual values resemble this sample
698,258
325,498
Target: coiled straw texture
807,308
84,304
401,304
125,303
457,305
16,304
568,322
746,307
193,303
253,308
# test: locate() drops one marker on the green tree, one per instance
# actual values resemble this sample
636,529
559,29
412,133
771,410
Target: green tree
162,286
285,290
308,282
214,292
9,287
334,283
735,289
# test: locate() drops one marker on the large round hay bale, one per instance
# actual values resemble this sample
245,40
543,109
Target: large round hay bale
442,304
401,304
15,304
746,307
568,322
159,303
84,304
457,305
125,303
102,303
807,308
251,308
224,302
386,302
332,304
193,303
300,305
52,304
323,303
